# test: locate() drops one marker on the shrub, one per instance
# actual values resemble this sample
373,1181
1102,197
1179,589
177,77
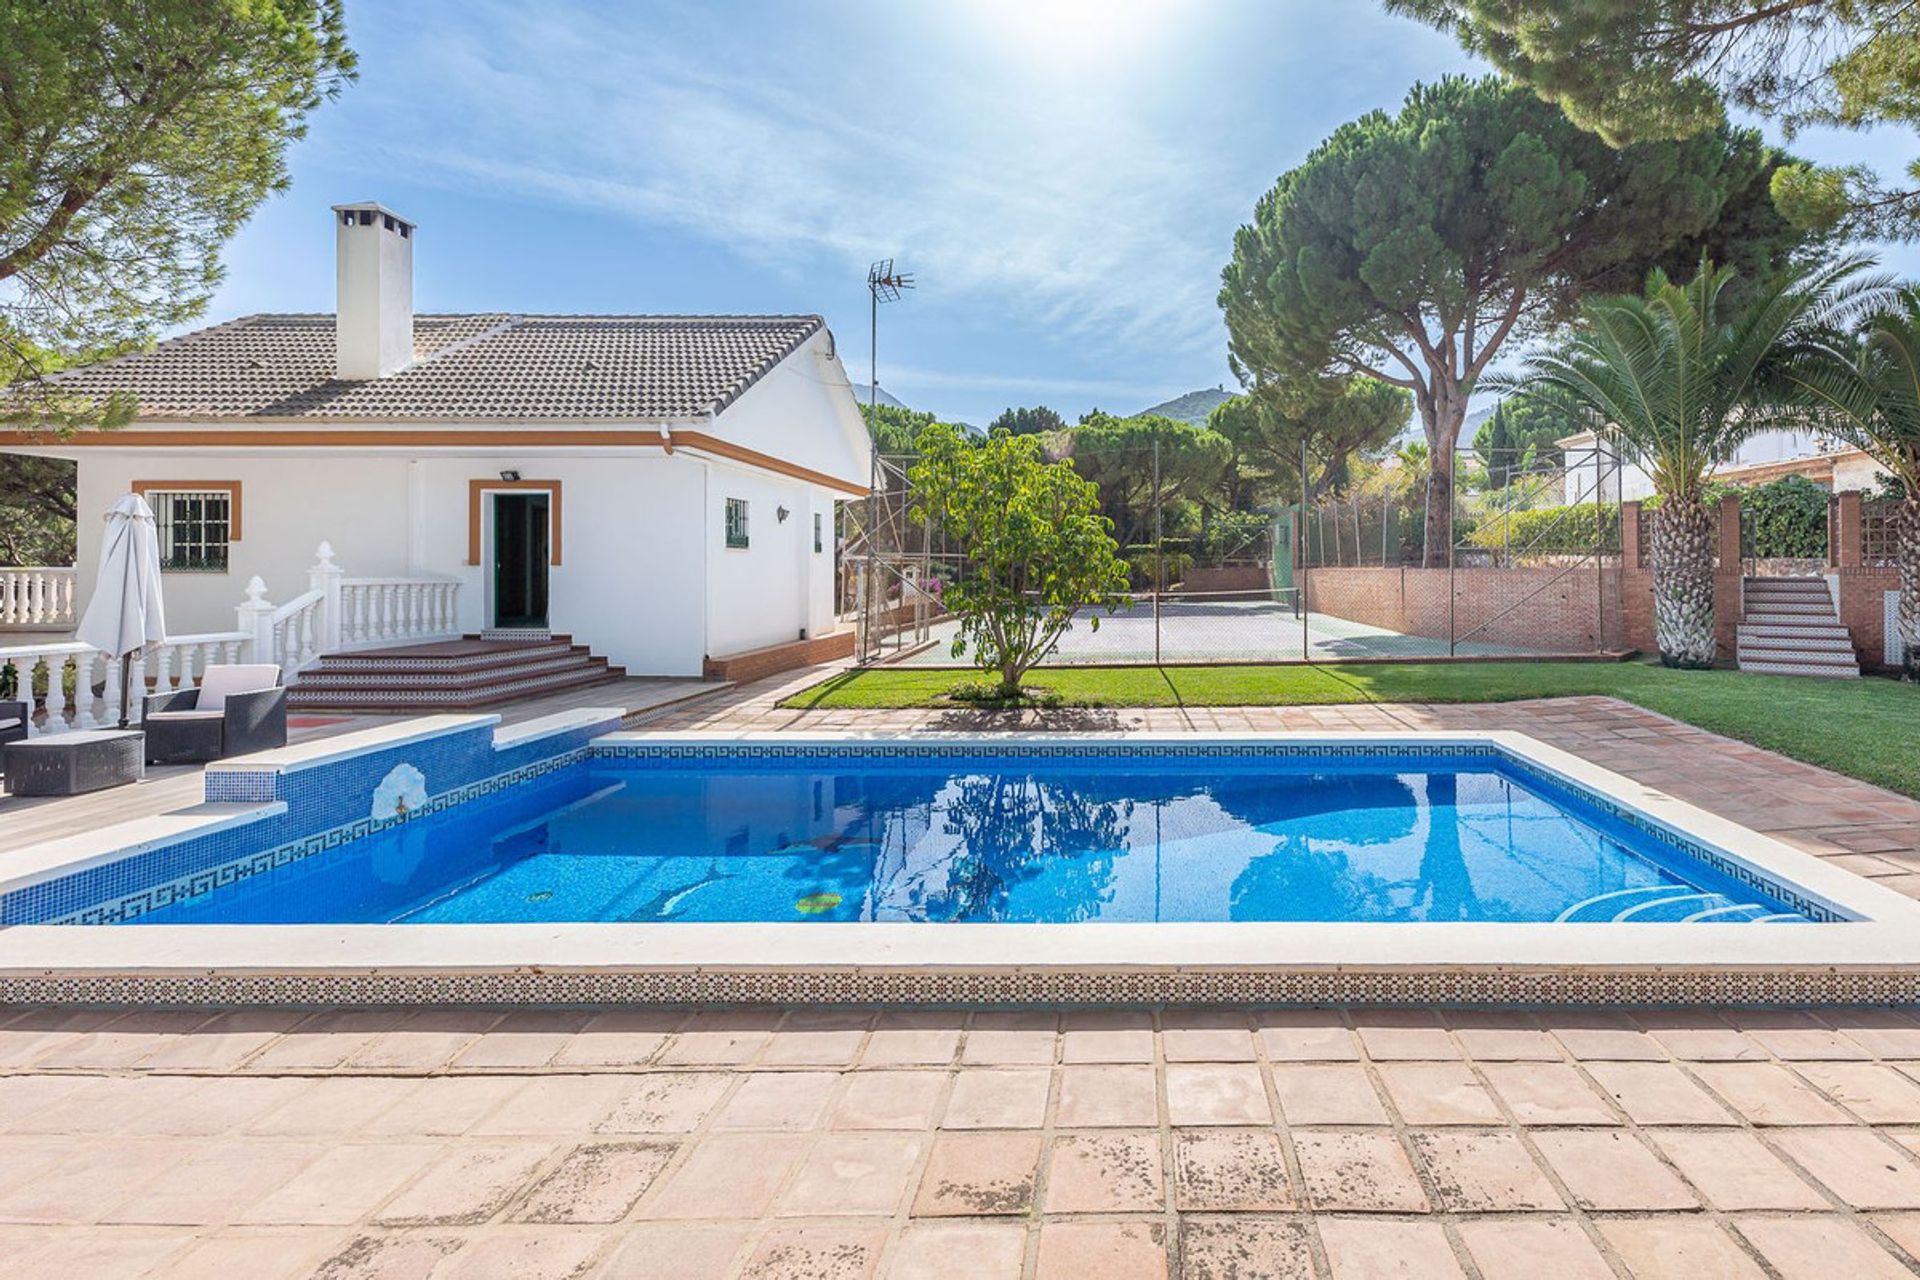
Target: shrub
1567,530
1785,519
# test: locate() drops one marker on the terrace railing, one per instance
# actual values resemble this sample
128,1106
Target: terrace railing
37,598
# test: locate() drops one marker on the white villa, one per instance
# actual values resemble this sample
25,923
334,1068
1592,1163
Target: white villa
1591,471
661,488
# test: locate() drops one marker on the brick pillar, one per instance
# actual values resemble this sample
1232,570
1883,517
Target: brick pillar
1630,535
1844,550
1728,596
1730,534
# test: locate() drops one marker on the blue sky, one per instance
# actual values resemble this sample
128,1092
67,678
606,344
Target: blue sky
1063,176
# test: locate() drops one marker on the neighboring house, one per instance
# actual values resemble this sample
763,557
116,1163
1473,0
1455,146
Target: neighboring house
1591,469
662,488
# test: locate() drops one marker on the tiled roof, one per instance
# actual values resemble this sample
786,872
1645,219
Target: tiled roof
467,367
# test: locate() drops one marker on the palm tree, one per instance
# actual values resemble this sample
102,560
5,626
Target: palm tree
1867,390
1676,379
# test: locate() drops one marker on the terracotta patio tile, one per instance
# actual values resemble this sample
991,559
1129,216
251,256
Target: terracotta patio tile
448,1106
1105,1173
674,1251
388,1256
23,1098
778,1100
1876,1093
333,1108
995,1047
979,1175
1110,1250
1306,1036
1230,1170
1430,1093
1612,1170
910,1046
1375,1248
1222,1093
22,1158
817,1038
1767,1094
816,1253
1404,1035
664,1102
1102,1035
998,1100
343,1185
1332,1093
554,1104
94,1179
1884,1033
524,1255
216,1182
1483,1172
1858,1165
1734,1170
101,1252
1366,1171
1698,1037
1819,1247
467,1184
119,1043
1678,1248
1902,1228
1795,1035
1107,1097
727,1175
524,1038
223,1042
853,1173
281,1253
204,1106
1205,1035
326,1039
423,1041
1528,1248
889,1100
1658,1093
720,1036
1602,1037
958,1251
1493,1035
1547,1093
1242,1247
618,1038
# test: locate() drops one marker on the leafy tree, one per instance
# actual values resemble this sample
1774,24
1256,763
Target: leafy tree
1336,422
1117,455
1521,433
1677,380
1038,420
896,431
136,136
1412,247
1647,70
1037,549
1867,390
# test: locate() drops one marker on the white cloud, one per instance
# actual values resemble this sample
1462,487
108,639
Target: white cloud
1062,203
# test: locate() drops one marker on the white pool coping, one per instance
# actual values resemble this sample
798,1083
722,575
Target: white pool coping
1875,957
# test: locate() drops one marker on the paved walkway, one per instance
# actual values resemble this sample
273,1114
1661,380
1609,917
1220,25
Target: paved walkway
820,1144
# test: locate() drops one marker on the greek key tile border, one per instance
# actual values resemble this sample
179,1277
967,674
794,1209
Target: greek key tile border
847,986
130,907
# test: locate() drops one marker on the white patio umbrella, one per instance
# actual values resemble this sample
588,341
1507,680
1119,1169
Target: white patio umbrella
125,614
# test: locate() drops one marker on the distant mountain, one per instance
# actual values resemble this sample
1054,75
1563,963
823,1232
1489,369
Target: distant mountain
860,390
1192,407
1468,429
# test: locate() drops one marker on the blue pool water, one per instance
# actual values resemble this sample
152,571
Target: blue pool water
1036,840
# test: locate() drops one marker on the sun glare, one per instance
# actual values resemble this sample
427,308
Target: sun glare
1072,34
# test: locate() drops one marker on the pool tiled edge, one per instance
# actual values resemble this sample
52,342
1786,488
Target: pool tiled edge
1872,957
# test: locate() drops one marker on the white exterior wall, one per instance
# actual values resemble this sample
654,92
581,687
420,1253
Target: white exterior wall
774,588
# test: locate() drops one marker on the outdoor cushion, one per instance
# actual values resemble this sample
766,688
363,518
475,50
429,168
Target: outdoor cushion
217,682
193,714
10,722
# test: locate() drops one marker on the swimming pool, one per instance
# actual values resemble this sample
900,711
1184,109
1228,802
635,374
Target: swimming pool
1009,837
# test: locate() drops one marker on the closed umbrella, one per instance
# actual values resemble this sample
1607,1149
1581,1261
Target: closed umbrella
125,614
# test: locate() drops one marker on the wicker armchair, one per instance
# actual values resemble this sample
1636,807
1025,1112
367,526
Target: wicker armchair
234,710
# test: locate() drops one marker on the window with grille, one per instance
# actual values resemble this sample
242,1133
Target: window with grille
194,526
818,543
1879,535
736,522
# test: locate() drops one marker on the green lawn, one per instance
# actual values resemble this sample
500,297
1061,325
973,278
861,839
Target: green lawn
1868,729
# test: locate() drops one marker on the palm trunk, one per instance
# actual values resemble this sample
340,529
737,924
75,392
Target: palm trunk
1907,614
1683,583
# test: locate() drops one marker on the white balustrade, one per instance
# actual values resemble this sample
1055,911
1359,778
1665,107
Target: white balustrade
37,597
70,685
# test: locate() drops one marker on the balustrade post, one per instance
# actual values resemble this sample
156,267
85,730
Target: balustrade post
256,621
325,577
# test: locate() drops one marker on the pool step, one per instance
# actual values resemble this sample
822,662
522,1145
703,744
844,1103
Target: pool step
455,675
1789,627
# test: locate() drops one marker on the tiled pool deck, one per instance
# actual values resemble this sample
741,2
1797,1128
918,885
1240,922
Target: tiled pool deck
824,1144
819,1143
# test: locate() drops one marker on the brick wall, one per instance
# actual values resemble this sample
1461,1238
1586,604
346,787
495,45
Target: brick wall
1548,610
1229,577
758,663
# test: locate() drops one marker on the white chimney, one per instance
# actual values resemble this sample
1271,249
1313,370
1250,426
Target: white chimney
373,327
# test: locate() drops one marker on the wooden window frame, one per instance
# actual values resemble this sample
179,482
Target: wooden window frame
229,487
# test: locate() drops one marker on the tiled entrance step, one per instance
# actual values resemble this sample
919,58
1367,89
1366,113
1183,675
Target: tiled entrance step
1789,627
452,675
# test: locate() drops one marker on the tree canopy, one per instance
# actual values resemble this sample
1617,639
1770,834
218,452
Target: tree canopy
1646,70
136,136
1336,424
1411,247
1037,420
1521,432
1118,456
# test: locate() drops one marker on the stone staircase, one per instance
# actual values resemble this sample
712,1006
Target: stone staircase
1789,627
451,675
